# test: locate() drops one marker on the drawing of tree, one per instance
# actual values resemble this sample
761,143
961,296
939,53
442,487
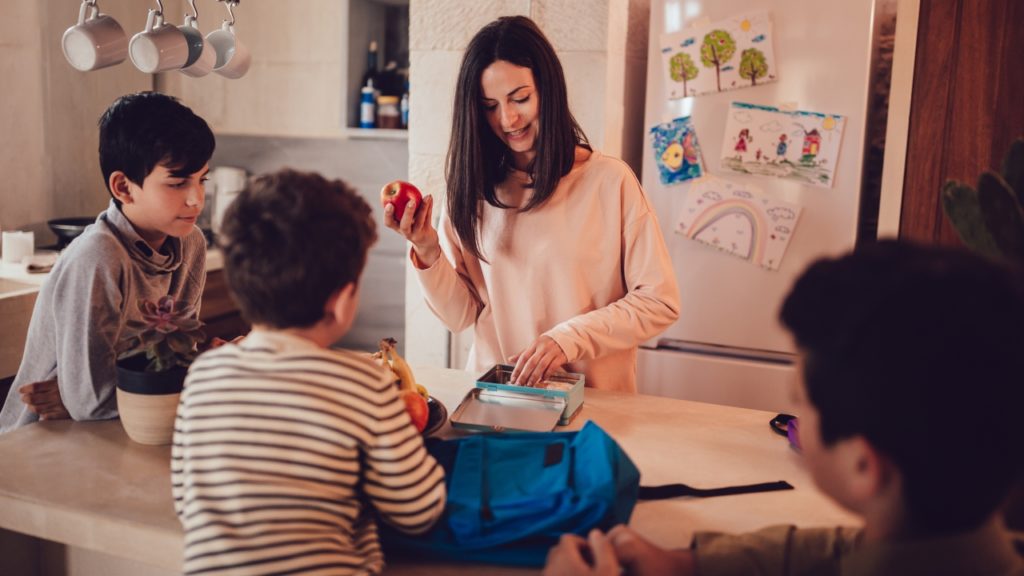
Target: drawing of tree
753,65
682,69
717,49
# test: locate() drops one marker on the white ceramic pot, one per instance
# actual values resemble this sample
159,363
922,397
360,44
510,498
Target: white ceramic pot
148,401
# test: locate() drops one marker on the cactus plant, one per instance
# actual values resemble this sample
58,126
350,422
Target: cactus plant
990,219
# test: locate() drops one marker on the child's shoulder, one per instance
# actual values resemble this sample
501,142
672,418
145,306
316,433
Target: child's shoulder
259,353
359,366
95,249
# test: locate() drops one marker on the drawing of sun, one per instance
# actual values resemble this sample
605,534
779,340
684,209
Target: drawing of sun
745,25
829,123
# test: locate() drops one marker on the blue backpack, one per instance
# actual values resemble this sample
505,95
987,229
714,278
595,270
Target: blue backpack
511,496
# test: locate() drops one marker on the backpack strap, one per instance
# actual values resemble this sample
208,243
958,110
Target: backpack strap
674,490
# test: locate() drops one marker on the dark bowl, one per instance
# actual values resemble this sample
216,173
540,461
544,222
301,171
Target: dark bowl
437,416
67,229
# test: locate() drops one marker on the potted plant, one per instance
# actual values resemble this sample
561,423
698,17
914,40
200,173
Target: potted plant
151,373
990,219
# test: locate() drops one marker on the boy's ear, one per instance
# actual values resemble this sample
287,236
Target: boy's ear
339,304
120,187
869,473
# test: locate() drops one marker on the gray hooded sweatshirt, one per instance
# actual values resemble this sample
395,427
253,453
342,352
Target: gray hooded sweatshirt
78,323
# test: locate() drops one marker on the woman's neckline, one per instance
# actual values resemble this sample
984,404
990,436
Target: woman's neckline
582,157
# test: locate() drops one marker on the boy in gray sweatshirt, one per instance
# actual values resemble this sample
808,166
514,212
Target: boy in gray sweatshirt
154,155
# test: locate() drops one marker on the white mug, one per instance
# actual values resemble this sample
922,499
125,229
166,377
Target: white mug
97,41
233,58
161,47
201,56
17,246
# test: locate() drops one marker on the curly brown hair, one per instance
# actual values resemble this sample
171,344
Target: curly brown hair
290,240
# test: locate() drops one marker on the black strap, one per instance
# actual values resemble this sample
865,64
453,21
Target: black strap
676,490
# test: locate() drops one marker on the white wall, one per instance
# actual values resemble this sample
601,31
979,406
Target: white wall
603,48
48,115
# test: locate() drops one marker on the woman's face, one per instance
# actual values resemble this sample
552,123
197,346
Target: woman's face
512,107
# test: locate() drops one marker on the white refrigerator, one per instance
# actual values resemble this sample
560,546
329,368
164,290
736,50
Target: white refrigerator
727,346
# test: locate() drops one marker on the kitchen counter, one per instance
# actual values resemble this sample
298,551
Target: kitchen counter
16,280
86,485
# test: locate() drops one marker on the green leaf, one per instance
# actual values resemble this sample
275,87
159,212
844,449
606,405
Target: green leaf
1003,215
188,324
1013,169
179,343
960,203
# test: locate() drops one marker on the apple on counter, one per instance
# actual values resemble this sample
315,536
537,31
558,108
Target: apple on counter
398,193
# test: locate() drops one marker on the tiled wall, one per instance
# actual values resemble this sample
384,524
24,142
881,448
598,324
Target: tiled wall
603,48
366,165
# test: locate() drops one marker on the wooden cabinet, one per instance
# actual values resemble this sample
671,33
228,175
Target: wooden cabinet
219,311
965,109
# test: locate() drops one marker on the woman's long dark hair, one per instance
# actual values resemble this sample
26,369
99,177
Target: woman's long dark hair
477,160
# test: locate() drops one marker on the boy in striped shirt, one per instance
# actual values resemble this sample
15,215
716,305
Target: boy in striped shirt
285,451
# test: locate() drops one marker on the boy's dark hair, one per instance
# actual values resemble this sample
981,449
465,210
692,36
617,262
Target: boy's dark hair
290,240
140,131
920,350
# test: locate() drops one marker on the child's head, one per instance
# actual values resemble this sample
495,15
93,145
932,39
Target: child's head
913,365
153,154
293,242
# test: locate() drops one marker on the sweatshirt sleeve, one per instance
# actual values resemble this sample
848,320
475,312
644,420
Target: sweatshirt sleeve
403,482
88,307
446,287
651,303
776,550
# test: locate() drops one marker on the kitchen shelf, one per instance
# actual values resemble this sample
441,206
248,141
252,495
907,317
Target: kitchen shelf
376,134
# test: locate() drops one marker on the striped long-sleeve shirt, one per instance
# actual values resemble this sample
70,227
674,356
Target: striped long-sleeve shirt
280,450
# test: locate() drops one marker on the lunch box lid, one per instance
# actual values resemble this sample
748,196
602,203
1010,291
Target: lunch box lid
487,410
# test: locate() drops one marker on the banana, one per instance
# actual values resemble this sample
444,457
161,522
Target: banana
398,364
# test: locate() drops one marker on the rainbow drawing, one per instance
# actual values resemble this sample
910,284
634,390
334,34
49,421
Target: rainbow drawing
740,220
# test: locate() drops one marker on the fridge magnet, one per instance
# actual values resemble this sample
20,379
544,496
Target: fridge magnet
676,151
726,55
738,219
795,145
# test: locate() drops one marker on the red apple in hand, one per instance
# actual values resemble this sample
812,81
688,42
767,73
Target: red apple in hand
417,408
398,193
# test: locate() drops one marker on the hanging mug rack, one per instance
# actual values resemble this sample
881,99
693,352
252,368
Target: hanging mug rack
98,41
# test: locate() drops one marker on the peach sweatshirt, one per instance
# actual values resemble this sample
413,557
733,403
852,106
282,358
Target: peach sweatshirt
589,268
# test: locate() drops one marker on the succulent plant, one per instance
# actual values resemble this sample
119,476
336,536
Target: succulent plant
168,335
990,219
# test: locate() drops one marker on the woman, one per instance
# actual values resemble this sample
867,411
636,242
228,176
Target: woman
552,252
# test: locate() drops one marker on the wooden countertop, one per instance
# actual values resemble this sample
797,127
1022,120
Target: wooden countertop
86,484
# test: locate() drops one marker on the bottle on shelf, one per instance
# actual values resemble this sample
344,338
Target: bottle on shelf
363,113
371,64
367,105
390,80
404,107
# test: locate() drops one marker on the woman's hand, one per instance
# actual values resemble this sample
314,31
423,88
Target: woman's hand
573,555
43,398
416,227
540,358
